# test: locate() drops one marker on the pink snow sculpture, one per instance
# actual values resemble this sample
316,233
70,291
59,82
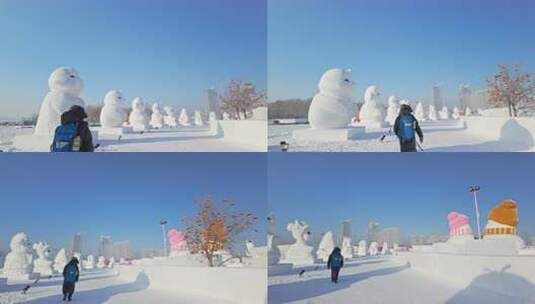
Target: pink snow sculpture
458,224
177,240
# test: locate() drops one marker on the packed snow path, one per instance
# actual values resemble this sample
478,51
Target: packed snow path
97,287
373,280
439,136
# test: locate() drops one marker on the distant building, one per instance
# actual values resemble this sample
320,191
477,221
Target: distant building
437,96
76,243
105,247
213,102
390,235
465,95
479,100
373,230
148,253
346,230
122,249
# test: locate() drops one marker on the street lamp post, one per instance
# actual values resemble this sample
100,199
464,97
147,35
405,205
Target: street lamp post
474,189
162,224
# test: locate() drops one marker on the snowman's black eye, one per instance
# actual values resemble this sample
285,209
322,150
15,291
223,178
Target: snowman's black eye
347,80
72,76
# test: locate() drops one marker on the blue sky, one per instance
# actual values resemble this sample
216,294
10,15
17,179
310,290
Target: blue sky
403,46
51,197
169,51
413,192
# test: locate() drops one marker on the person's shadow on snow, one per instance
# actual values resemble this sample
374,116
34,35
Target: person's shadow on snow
100,295
288,292
506,287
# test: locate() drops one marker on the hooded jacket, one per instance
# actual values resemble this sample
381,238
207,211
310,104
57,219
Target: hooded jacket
77,114
407,110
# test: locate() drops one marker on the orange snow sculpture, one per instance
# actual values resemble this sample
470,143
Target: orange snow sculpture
504,217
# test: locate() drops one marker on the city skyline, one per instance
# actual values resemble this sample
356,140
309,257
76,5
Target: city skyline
169,52
403,47
123,195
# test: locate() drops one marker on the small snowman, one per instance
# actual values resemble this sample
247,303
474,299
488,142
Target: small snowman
138,118
114,112
156,118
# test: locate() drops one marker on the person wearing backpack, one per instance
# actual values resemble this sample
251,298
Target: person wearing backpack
335,263
405,127
73,135
70,277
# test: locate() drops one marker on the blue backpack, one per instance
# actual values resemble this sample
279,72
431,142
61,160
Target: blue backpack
336,261
71,273
406,127
64,138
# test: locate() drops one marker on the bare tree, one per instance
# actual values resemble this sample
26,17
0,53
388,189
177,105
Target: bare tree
241,97
215,227
513,90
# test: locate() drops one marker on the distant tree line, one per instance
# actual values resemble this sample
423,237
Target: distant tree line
289,108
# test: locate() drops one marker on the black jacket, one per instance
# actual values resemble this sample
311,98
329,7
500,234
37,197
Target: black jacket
406,110
338,253
77,114
77,269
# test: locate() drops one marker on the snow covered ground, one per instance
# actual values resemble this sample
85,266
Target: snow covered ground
439,136
374,280
102,286
185,139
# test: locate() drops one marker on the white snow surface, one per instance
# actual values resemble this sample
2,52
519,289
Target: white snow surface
379,279
439,136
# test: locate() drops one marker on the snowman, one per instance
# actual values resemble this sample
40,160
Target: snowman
212,116
330,107
42,265
18,262
361,252
371,113
419,113
456,114
114,112
65,85
183,119
170,117
89,264
137,118
157,118
374,248
468,111
444,113
198,119
432,114
101,262
392,111
60,261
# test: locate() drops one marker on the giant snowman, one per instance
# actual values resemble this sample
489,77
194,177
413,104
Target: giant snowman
371,113
330,107
18,263
65,86
114,113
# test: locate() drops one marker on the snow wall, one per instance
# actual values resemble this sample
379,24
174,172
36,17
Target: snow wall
518,131
238,285
509,275
248,132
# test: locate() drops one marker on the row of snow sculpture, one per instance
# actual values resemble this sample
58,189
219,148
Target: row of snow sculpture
115,111
65,86
20,263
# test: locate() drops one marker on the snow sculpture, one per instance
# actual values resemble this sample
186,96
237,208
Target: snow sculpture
444,113
325,247
60,261
170,117
362,248
502,222
299,253
373,250
226,116
183,119
178,243
114,113
347,248
459,225
395,249
456,113
404,102
78,256
156,118
392,111
467,111
212,116
18,263
138,119
419,113
65,86
101,262
112,262
330,107
198,119
272,242
89,263
432,115
384,249
42,265
480,112
371,113
258,255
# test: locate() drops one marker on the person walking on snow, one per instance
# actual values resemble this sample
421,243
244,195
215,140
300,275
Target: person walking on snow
335,263
73,135
70,277
405,127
